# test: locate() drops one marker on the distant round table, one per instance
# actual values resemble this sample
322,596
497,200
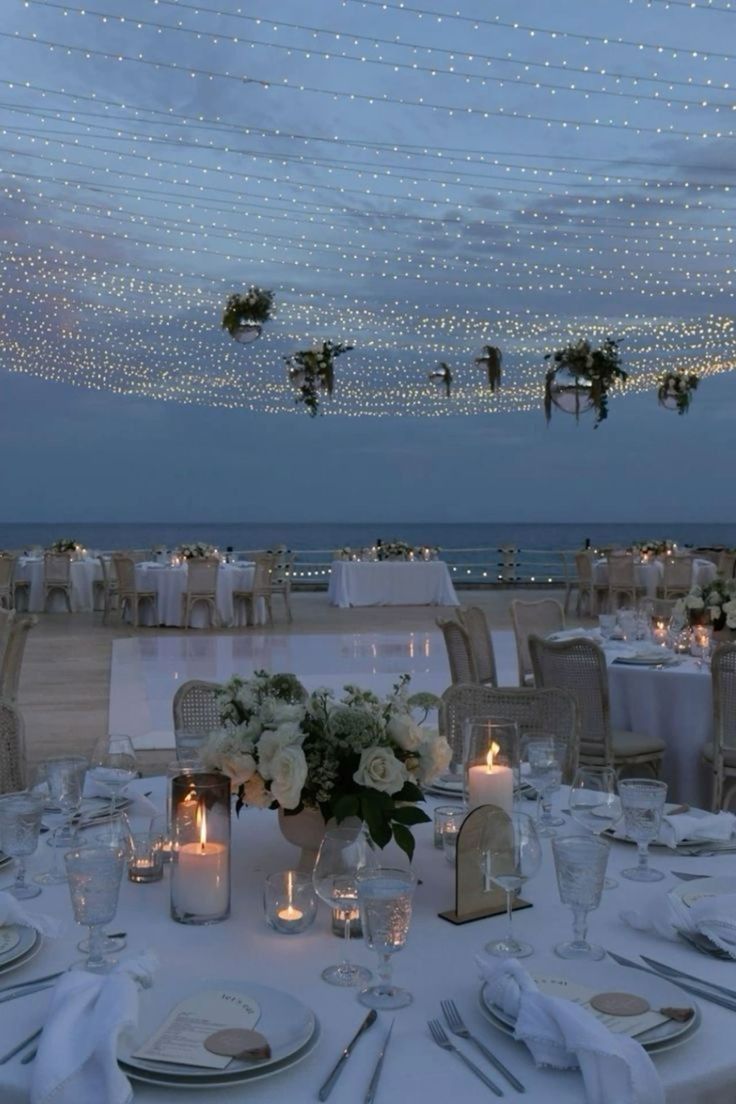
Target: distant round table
391,583
650,575
83,576
169,583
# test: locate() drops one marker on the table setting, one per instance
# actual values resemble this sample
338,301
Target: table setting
169,581
391,582
84,572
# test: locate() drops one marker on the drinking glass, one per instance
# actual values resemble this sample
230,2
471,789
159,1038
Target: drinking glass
116,832
20,824
342,855
580,863
546,756
385,896
627,623
94,875
114,765
594,802
510,854
65,781
607,624
642,802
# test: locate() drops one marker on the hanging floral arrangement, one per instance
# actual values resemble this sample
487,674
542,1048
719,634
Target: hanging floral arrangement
244,315
491,357
675,391
443,375
581,377
313,370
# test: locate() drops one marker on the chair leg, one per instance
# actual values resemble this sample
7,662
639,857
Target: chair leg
287,603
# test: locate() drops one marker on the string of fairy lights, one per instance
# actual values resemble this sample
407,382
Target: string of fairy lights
158,155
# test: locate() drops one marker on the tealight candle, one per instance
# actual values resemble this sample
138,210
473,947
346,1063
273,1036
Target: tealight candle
491,784
289,901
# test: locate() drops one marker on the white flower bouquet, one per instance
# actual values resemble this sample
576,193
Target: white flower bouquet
352,756
64,544
198,550
252,307
712,604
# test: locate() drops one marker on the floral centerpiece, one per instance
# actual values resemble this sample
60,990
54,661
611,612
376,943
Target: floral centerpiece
650,548
592,372
676,389
352,756
244,314
197,551
712,604
64,544
313,370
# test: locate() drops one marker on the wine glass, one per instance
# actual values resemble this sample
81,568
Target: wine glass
594,803
65,781
116,832
385,896
20,824
94,875
642,802
546,756
580,863
510,854
113,765
342,855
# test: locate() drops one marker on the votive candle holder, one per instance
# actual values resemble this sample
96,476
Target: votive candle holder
289,902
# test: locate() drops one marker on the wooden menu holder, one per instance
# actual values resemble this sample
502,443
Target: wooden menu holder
473,901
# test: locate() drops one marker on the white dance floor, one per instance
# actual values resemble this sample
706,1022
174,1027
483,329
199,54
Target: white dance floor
147,670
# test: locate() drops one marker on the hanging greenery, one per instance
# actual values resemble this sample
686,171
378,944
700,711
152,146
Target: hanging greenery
675,391
244,315
442,374
313,370
491,357
591,374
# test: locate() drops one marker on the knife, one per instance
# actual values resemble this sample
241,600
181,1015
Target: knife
27,992
329,1084
684,876
31,981
373,1083
713,997
670,970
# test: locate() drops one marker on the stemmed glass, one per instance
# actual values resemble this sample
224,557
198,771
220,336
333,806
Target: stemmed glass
546,757
580,862
510,854
65,780
342,855
385,896
20,824
114,833
94,875
642,801
114,765
594,803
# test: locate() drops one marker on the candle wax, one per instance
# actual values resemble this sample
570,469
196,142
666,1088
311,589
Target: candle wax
290,913
200,883
491,786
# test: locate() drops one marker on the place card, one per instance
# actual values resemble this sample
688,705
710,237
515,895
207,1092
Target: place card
626,1024
181,1037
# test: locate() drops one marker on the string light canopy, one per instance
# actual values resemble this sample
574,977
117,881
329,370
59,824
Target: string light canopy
424,184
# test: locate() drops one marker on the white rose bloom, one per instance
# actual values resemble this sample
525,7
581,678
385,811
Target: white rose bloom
289,773
694,602
273,741
280,712
435,755
715,612
404,732
238,766
731,620
379,769
730,606
256,793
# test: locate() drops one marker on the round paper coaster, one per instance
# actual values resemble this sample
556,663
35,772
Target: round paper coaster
620,1004
9,938
238,1042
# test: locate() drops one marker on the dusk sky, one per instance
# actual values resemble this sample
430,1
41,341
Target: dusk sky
504,173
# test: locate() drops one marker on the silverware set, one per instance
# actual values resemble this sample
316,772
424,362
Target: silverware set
698,987
339,1066
457,1026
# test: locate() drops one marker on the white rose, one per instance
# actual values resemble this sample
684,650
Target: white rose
238,766
278,712
694,602
289,773
730,606
273,741
715,612
434,758
256,793
379,769
404,732
731,620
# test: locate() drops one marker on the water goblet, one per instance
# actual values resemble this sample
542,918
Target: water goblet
342,855
510,854
594,803
546,756
580,863
20,824
94,875
114,765
116,833
385,896
64,777
642,802
607,624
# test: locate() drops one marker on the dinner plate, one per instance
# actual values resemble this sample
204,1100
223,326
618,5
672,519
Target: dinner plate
618,833
647,659
689,892
286,1022
27,947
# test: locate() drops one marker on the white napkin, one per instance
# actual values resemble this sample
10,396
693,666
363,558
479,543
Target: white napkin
12,912
141,806
697,825
559,1033
665,914
77,1053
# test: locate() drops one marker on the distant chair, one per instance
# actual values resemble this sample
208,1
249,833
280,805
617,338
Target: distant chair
587,590
460,654
12,748
727,564
711,554
57,577
196,713
542,618
549,710
129,596
281,575
473,620
13,640
107,587
677,575
259,589
201,588
720,752
622,581
579,666
7,576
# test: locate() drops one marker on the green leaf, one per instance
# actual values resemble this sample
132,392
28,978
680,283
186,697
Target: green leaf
378,823
409,814
346,806
404,839
409,792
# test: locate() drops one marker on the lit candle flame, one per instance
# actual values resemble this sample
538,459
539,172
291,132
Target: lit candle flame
493,750
202,825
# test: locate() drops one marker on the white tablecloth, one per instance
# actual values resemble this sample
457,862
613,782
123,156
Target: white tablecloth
649,575
169,583
436,963
391,583
84,573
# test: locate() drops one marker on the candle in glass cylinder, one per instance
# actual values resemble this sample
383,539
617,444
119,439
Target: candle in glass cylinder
200,883
490,784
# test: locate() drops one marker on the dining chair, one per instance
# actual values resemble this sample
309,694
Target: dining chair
579,666
589,594
551,711
7,575
473,620
727,564
13,640
57,568
720,752
259,589
12,748
129,596
622,582
107,587
196,712
281,574
201,587
543,617
459,652
677,575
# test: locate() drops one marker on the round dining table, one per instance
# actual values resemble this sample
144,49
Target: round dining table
83,574
650,575
169,583
438,962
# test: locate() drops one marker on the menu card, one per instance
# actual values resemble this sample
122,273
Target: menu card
180,1038
579,994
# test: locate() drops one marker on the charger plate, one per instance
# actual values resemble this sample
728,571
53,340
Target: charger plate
26,947
689,892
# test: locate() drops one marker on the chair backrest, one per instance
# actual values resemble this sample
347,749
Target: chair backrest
196,708
281,571
727,564
202,575
584,567
7,618
723,677
534,710
543,617
677,571
459,652
11,659
124,567
579,666
7,570
473,620
12,748
621,570
264,562
57,568
709,554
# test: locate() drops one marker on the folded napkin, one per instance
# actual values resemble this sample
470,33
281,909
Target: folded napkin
141,806
696,825
564,1035
13,912
77,1053
666,914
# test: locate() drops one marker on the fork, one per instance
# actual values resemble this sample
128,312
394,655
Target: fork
440,1037
457,1027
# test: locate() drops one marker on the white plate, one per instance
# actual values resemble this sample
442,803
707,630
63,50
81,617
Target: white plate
689,892
287,1024
618,833
26,948
647,659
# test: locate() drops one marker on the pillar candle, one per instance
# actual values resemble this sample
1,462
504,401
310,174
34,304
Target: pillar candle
489,784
